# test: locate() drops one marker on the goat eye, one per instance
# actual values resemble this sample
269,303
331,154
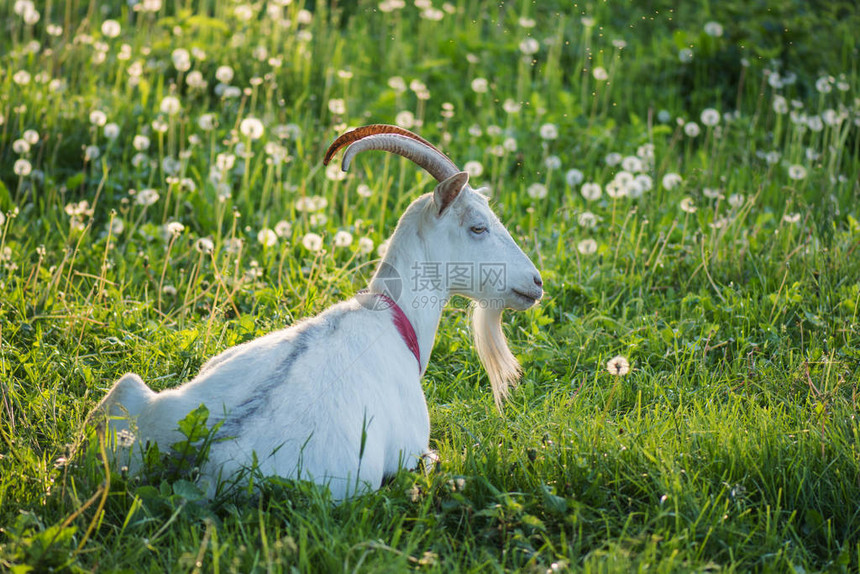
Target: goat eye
478,229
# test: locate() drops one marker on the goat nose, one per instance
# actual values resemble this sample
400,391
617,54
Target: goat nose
538,281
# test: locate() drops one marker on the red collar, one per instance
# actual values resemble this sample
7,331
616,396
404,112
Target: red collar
404,326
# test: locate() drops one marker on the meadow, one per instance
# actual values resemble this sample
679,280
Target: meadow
685,175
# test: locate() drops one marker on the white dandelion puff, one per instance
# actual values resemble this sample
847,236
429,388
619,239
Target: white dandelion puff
251,128
365,245
710,117
618,366
170,105
312,242
204,245
591,191
574,177
687,205
587,246
22,167
537,191
796,172
672,180
342,239
284,228
266,237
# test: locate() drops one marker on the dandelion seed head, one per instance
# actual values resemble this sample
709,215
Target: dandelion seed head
672,180
713,29
618,366
146,197
251,128
284,229
174,228
337,106
632,164
587,219
342,239
587,246
815,123
644,182
780,104
591,191
22,167
382,248
511,106
139,160
224,74
692,129
615,189
365,245
170,105
397,83
537,191
267,237
31,136
796,172
312,242
552,162
405,119
687,206
529,46
333,172
710,117
574,177
824,84
613,158
473,168
111,131
98,118
600,74
21,146
21,77
125,438
549,132
204,245
91,153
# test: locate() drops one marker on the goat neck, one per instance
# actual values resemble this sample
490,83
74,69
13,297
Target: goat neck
403,276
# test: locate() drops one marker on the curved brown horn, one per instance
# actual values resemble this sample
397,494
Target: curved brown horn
371,130
394,140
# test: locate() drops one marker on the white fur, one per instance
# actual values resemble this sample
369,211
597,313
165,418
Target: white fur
301,398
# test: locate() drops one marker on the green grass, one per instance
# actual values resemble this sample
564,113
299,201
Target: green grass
733,442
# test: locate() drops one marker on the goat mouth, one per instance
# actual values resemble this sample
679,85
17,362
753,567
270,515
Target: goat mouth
530,298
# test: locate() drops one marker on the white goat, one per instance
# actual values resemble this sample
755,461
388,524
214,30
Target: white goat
337,399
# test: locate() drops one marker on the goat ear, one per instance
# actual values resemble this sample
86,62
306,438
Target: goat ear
449,190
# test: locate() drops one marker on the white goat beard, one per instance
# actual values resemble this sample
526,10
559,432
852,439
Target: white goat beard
501,365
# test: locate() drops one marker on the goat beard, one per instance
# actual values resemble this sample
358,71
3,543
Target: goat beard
502,367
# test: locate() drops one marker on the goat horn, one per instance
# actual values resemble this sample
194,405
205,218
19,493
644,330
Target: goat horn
395,140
